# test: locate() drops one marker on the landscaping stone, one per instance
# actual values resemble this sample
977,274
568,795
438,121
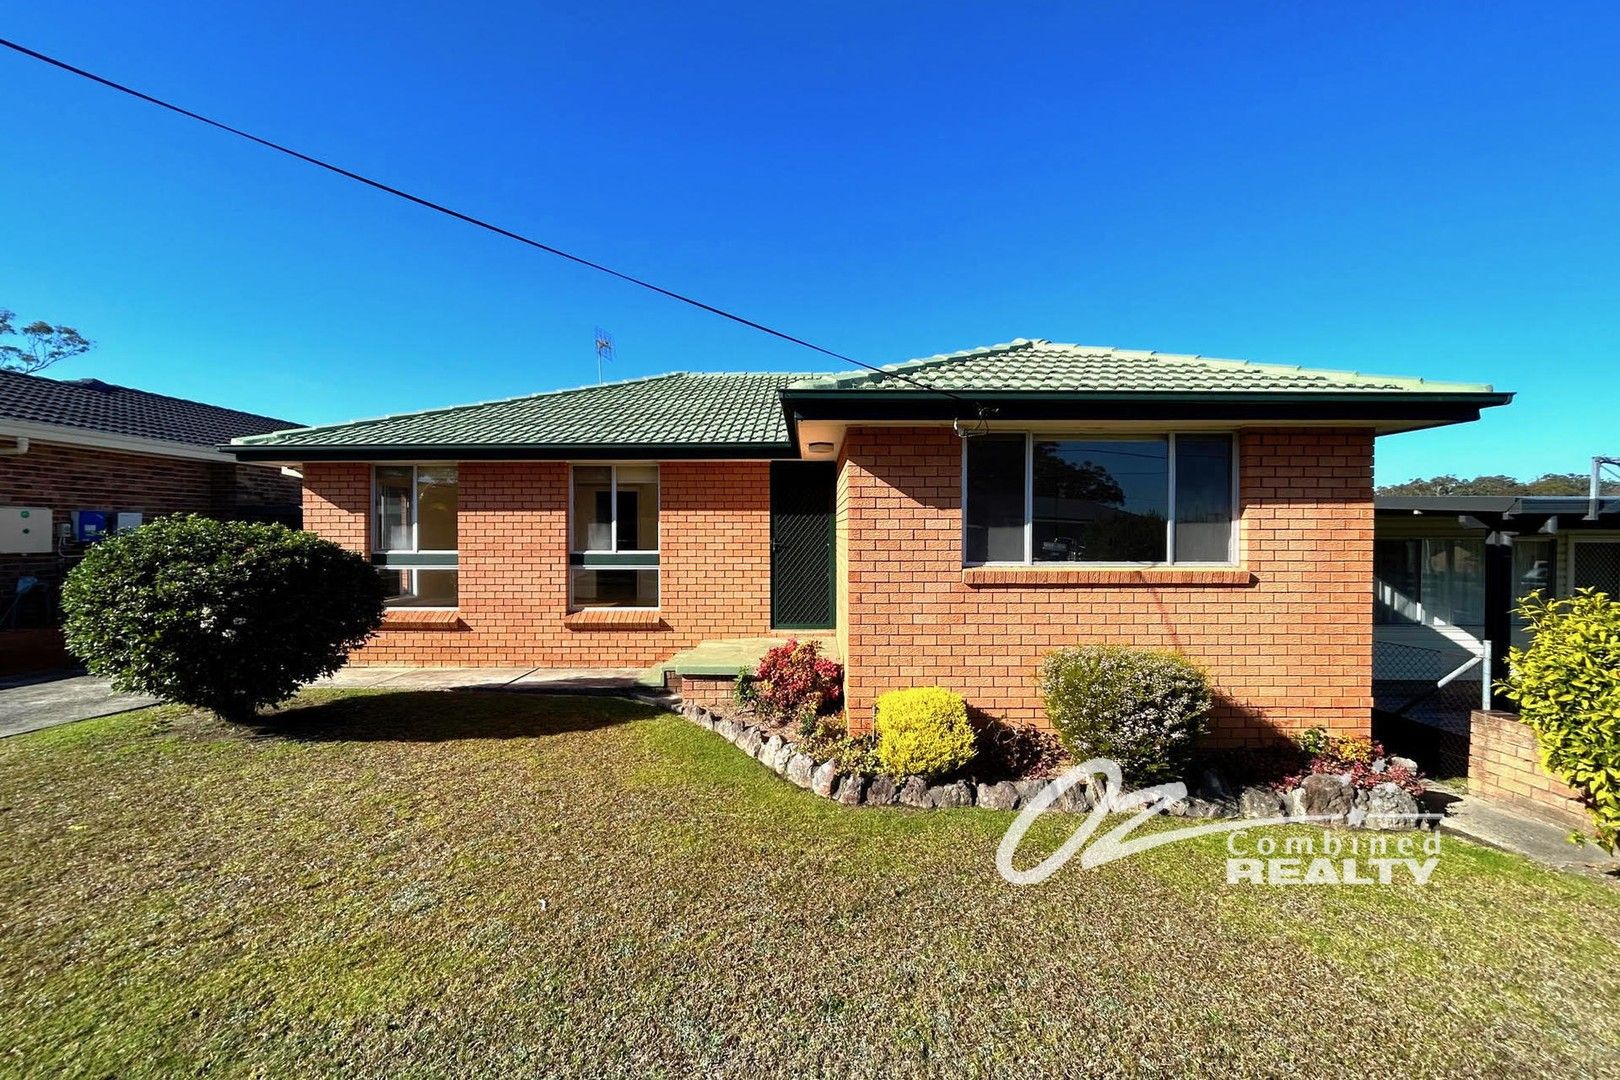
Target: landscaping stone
1403,763
800,769
783,756
950,796
1028,789
1212,787
770,748
849,789
728,729
1197,807
1388,807
1077,799
1327,796
749,741
1259,802
880,791
824,779
914,792
703,718
1002,796
1294,803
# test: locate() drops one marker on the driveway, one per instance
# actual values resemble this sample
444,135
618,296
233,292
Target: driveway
45,701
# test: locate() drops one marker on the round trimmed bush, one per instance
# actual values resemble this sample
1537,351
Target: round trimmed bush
221,615
1142,708
922,732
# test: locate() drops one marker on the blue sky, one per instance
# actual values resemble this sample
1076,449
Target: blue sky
1427,190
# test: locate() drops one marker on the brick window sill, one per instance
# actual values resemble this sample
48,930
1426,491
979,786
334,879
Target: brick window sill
1014,577
402,619
613,619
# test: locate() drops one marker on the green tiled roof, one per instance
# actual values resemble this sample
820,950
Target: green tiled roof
712,414
682,409
1025,366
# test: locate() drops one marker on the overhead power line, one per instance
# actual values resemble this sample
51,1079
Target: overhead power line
469,219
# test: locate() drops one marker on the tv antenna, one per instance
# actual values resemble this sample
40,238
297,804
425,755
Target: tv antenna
604,350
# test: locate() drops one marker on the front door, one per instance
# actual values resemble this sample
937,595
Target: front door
802,555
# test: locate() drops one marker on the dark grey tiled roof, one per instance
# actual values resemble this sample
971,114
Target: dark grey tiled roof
119,410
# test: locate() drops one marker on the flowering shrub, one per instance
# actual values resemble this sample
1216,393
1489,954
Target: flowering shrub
794,682
1362,760
1567,687
922,732
1140,707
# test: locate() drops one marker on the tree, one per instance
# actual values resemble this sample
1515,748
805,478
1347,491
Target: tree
45,344
1498,484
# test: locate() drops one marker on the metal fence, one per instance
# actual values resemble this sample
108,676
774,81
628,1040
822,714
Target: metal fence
1423,697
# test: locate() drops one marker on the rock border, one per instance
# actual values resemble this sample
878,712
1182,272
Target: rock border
1329,799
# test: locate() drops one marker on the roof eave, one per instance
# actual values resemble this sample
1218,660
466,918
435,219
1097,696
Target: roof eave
1364,407
511,451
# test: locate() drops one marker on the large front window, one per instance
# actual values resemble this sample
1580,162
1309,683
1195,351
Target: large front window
414,545
1155,499
613,537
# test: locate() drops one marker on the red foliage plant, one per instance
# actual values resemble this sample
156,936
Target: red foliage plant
1357,759
795,682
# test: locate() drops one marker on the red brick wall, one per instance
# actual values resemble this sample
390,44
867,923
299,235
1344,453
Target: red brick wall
1287,641
1504,764
714,526
67,478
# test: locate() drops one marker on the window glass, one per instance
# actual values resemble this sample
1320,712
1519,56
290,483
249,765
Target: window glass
404,587
593,513
1397,572
1452,588
1534,567
1203,498
1101,500
436,508
638,507
995,499
614,588
394,509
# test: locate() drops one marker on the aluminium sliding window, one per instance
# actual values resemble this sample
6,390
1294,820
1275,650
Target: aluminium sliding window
613,536
1138,500
414,540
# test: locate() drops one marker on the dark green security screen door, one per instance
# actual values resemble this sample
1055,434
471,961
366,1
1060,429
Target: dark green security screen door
802,554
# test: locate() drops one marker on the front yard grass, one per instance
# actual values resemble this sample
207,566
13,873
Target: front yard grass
488,884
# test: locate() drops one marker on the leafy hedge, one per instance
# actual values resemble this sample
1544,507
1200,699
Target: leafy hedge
221,615
923,732
1142,708
1567,687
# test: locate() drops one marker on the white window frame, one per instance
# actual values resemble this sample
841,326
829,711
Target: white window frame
613,532
1030,438
378,551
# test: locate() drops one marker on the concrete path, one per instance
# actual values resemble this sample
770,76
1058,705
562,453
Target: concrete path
1536,838
60,698
29,704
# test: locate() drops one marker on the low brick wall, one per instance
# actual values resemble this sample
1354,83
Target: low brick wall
708,691
1504,765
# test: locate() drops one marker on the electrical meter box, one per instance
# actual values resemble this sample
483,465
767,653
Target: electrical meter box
25,530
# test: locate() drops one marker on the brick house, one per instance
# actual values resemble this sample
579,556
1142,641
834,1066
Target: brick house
78,453
946,522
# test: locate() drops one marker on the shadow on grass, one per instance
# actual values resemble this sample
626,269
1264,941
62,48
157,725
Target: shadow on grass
444,716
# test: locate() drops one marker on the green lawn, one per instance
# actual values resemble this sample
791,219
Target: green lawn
488,884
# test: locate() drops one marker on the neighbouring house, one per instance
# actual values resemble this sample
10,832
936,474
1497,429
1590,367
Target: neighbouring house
80,457
1449,572
946,521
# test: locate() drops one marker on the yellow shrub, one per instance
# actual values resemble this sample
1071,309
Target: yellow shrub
923,732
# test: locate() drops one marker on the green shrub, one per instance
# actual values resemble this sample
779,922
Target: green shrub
922,732
1142,708
222,615
1567,687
